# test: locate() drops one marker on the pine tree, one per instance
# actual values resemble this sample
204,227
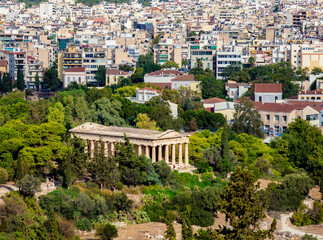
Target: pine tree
19,173
243,209
20,79
224,164
52,225
187,231
170,233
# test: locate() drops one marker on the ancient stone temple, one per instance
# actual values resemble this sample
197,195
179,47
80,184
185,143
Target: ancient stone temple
169,146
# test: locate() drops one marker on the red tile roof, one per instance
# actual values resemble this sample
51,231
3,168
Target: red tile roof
149,89
276,107
235,85
213,100
318,106
189,77
268,88
116,72
165,72
162,85
75,69
316,91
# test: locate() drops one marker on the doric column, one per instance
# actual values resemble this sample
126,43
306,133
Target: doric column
186,155
112,149
92,148
160,157
139,149
153,153
173,155
147,152
180,154
106,149
166,154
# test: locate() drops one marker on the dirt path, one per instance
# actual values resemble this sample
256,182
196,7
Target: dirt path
286,226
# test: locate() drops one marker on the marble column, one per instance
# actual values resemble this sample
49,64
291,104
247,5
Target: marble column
139,149
180,154
92,148
153,153
106,148
112,149
147,152
166,154
160,157
173,155
186,154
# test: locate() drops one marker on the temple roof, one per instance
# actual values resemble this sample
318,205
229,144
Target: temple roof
97,129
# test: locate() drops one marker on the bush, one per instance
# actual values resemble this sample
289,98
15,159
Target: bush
201,218
3,176
106,231
308,237
29,185
84,224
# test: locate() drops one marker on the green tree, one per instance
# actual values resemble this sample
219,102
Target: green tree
170,233
170,64
52,225
231,70
3,175
317,70
106,231
187,231
37,81
126,68
211,87
247,119
51,79
20,79
138,75
243,208
29,185
146,62
143,122
6,83
100,75
184,62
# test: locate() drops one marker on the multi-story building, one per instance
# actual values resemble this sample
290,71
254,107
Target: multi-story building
277,116
167,52
34,68
17,60
92,59
314,95
203,58
113,76
68,59
187,82
76,74
224,59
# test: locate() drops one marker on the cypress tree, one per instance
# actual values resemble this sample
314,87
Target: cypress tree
170,233
20,79
52,225
37,81
187,231
19,170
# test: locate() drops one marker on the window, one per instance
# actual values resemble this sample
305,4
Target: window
79,79
208,65
268,117
285,118
276,128
277,118
68,80
260,99
284,129
276,98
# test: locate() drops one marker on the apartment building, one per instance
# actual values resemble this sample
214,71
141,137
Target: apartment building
277,116
202,57
314,95
224,59
68,59
34,68
92,59
16,60
167,52
307,55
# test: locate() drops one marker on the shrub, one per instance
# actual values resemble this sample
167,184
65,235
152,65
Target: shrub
84,224
29,185
106,231
201,217
3,176
308,237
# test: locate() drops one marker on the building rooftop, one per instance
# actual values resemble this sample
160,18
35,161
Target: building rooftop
268,88
213,100
75,69
188,77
